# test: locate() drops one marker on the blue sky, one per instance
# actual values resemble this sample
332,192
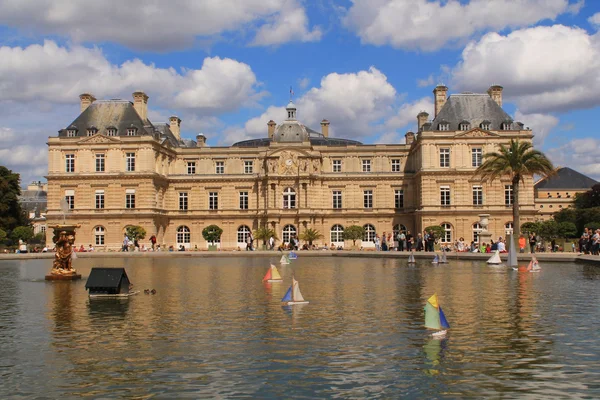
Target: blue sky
225,67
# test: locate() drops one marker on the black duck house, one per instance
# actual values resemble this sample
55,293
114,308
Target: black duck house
107,281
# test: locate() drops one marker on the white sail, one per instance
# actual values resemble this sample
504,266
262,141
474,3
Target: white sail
283,260
411,258
435,259
512,253
296,295
495,259
443,259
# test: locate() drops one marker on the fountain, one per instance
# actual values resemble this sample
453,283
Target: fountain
484,236
62,269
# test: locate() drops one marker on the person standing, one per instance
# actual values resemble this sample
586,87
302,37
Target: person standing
409,241
401,241
532,242
153,242
271,243
522,244
125,243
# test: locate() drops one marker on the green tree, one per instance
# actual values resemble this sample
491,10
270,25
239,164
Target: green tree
438,231
135,232
593,225
517,161
24,233
212,233
588,199
567,229
309,235
264,233
353,232
549,229
2,235
11,214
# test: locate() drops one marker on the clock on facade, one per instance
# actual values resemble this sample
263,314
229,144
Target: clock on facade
288,162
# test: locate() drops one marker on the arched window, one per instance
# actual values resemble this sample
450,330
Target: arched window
337,234
242,234
369,235
508,228
99,232
447,235
289,231
183,235
289,198
476,231
397,229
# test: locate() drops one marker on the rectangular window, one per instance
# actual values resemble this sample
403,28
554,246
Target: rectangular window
220,167
71,133
111,132
191,167
508,195
70,162
336,165
368,198
213,201
100,162
477,195
183,201
248,167
476,157
130,198
396,165
445,195
445,158
130,162
243,200
399,198
131,131
337,199
99,199
366,165
70,199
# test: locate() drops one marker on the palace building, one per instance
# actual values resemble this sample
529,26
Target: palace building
116,168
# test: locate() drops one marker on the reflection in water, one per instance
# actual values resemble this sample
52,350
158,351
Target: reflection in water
215,330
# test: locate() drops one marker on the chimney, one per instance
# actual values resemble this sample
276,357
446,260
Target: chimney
439,98
86,100
200,140
174,125
140,103
422,119
410,137
495,92
271,124
325,128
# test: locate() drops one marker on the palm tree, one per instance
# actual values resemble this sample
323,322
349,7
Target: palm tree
517,160
309,235
265,234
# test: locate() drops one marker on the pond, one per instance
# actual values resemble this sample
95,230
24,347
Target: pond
214,330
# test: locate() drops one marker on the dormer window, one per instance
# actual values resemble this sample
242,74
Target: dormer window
131,131
92,131
71,132
111,131
443,126
506,126
464,126
485,125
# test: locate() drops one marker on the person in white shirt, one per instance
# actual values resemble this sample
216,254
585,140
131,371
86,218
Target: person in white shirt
90,248
271,243
501,247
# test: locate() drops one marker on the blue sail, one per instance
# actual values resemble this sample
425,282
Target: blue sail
288,295
443,321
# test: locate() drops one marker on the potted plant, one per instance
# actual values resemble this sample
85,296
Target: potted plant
212,234
309,235
354,233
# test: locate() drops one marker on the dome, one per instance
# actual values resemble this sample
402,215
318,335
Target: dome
291,131
290,106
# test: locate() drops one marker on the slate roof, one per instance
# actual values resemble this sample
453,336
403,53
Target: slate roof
105,278
314,140
566,178
34,200
474,108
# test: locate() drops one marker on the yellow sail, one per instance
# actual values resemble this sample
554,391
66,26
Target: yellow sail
274,272
433,300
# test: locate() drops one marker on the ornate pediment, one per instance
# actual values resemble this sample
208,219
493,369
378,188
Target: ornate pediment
98,139
292,162
476,132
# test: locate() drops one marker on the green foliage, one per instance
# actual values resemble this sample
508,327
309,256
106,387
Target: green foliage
264,234
11,214
212,233
549,229
588,199
567,229
309,235
517,161
593,225
438,231
2,235
24,233
353,232
580,217
135,232
39,238
529,227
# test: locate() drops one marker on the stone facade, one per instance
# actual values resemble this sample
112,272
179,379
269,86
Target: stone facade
124,170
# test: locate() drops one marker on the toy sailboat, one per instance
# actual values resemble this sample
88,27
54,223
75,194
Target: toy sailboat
272,275
533,266
443,259
495,259
411,258
435,318
284,260
292,256
436,259
512,254
293,295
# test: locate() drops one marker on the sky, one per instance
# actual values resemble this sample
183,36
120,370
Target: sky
226,67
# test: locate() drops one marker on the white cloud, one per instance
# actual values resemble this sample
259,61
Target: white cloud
58,74
540,124
303,83
594,20
580,154
543,69
430,25
407,113
289,24
425,82
156,25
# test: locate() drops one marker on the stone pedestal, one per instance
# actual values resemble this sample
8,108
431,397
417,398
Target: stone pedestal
485,237
62,277
62,270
